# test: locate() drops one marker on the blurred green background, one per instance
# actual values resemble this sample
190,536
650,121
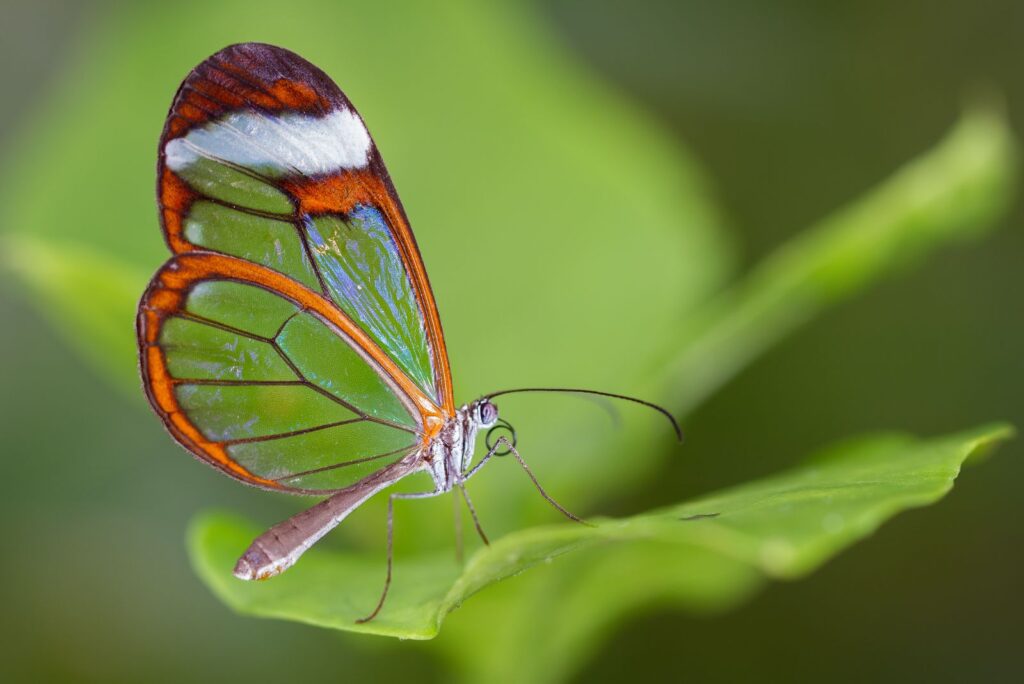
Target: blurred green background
793,109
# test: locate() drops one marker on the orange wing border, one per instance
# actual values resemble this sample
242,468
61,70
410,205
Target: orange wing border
166,296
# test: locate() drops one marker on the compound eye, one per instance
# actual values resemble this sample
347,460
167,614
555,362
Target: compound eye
488,413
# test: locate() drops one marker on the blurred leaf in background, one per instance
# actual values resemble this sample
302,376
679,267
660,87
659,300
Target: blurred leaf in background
545,204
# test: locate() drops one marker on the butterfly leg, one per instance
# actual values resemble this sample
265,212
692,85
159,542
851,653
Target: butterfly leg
458,530
391,536
472,512
536,484
483,461
461,484
464,476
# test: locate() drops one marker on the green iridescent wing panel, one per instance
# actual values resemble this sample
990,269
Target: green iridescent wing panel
201,350
226,411
334,455
272,242
218,180
361,266
336,368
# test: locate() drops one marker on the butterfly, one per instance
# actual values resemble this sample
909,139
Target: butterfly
293,341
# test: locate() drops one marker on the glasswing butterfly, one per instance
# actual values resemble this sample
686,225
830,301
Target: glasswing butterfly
292,341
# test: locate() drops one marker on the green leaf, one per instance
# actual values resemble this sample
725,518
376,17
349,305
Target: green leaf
956,191
701,555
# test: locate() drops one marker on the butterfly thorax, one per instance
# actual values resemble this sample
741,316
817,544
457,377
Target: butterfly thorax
449,455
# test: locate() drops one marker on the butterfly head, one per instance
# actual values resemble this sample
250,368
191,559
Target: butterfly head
486,413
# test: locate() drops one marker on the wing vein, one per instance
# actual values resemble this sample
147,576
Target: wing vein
316,388
408,449
244,170
202,320
304,239
291,433
259,213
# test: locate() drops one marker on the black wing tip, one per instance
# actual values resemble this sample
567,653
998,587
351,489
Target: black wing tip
256,50
254,75
266,61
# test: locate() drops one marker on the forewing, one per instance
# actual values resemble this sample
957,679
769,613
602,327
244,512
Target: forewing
264,158
263,378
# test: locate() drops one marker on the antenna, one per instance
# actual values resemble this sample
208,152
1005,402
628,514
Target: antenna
572,390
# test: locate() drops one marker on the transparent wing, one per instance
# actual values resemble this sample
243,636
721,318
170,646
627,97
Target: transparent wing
265,379
265,159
